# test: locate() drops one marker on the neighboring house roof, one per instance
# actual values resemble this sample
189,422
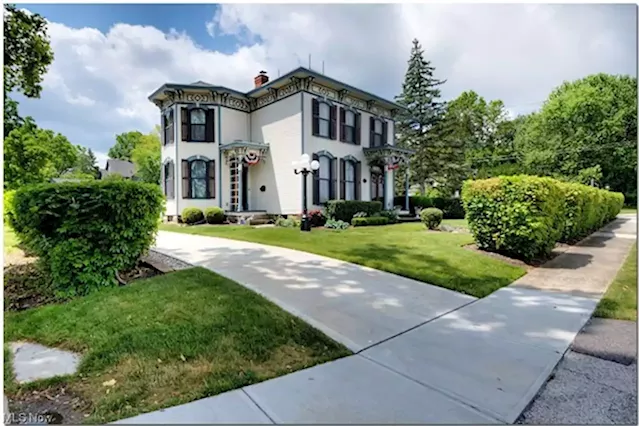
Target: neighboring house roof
121,167
61,180
300,72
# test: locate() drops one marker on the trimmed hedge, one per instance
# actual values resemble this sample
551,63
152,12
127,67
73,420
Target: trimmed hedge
8,204
587,209
86,232
345,210
191,215
214,215
524,216
431,217
370,221
451,207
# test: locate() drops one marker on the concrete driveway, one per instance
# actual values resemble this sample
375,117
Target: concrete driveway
355,305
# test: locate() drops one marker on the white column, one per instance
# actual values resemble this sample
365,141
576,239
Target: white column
388,189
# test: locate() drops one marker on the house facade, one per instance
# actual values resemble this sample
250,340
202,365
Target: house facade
235,150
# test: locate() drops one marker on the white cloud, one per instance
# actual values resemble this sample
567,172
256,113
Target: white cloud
99,82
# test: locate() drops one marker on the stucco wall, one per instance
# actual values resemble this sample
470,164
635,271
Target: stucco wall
279,125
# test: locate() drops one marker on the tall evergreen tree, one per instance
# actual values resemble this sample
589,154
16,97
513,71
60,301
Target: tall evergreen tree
415,126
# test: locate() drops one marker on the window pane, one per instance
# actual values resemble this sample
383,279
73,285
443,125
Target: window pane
324,190
349,171
350,190
197,133
350,118
198,116
198,169
169,118
325,167
377,140
350,134
324,128
324,111
199,188
378,126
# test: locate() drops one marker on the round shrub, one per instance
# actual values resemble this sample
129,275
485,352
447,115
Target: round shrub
431,217
214,215
85,232
192,215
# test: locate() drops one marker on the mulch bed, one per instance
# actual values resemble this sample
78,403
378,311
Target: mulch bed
532,264
54,405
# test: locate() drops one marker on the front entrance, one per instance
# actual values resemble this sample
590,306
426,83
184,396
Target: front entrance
239,185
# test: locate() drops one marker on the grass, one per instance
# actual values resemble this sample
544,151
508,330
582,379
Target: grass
169,340
460,223
621,299
10,240
629,210
405,249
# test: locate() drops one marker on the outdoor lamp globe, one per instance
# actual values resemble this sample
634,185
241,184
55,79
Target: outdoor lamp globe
315,165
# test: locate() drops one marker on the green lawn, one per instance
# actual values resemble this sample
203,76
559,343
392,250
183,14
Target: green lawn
405,249
629,210
460,223
168,340
621,299
10,240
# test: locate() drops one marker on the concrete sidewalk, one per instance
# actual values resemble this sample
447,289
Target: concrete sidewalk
482,362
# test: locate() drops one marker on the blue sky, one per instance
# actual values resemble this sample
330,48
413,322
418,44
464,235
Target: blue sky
109,58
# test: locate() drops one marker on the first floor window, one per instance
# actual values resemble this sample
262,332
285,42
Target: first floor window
324,179
198,178
349,180
168,180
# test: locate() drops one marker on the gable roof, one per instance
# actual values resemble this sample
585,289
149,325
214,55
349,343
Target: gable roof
121,167
300,72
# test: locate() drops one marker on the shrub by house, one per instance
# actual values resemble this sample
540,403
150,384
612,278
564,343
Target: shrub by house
345,210
524,216
85,232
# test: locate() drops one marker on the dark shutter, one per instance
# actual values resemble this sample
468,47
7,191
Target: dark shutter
332,121
372,128
184,114
334,180
384,133
211,179
164,129
342,178
358,128
210,130
358,179
315,191
163,179
315,108
186,182
342,122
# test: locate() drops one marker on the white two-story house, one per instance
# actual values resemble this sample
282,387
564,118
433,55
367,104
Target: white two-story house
234,150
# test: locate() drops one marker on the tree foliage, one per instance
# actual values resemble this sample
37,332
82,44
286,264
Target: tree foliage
146,157
27,55
415,126
586,124
124,146
34,155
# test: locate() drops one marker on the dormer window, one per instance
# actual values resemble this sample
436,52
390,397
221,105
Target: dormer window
324,119
198,124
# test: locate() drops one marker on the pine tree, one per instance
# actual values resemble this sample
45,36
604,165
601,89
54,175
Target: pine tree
416,126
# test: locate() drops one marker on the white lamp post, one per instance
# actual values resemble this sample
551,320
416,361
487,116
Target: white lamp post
304,167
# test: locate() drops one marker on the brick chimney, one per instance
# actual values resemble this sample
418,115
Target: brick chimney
261,79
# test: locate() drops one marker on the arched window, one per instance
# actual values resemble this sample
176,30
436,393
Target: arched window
198,177
168,182
198,124
324,180
350,180
168,126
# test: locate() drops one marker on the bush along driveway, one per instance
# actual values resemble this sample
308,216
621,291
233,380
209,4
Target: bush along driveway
167,340
409,250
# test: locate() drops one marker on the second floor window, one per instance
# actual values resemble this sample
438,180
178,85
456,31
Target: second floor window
349,126
168,126
197,124
377,132
324,119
